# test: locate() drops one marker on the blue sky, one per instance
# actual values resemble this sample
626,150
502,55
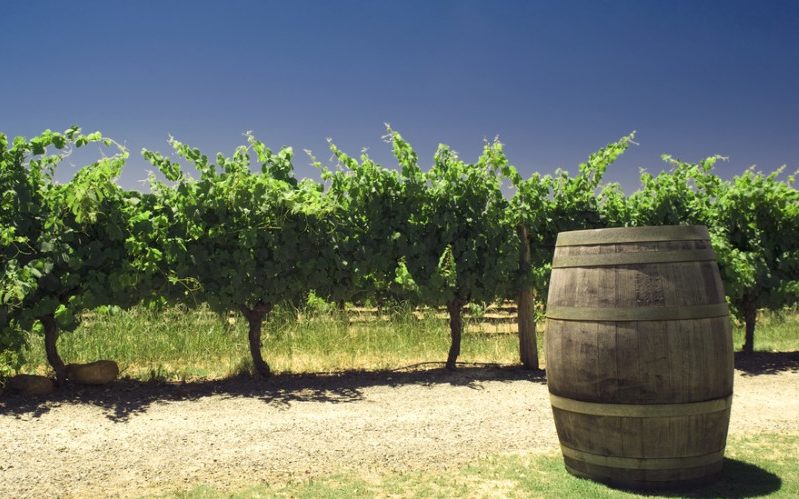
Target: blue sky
554,80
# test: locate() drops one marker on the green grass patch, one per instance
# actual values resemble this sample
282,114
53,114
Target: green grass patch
756,465
180,345
776,331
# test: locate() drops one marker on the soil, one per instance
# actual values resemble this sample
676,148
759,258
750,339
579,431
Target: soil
131,438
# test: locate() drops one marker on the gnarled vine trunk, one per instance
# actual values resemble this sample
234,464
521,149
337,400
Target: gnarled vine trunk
255,317
455,309
749,310
525,307
50,338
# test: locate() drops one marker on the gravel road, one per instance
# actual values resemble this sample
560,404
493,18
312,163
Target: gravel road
131,439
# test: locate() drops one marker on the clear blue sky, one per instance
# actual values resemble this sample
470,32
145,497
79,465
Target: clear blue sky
555,80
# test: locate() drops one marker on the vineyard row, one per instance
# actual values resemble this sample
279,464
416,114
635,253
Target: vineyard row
241,233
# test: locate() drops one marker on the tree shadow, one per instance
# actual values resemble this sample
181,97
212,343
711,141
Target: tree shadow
127,397
757,363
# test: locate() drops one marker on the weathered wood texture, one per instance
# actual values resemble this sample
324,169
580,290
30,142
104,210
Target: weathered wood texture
648,358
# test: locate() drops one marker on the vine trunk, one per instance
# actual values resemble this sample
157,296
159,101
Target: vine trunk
51,349
255,318
455,309
750,318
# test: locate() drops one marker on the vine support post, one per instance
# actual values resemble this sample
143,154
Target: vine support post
525,307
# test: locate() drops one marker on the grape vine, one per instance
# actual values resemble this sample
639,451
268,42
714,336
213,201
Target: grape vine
246,235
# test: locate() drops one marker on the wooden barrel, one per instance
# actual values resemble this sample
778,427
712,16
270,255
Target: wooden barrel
639,355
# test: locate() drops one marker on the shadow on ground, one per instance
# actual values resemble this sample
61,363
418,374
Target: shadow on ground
127,397
738,479
766,362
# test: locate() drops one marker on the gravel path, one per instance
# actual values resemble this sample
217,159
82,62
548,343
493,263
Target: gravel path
133,439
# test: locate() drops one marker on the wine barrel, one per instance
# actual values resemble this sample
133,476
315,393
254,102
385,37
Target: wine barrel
639,355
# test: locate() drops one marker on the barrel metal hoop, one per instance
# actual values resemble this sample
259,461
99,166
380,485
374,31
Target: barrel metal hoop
633,235
638,313
641,410
610,259
645,463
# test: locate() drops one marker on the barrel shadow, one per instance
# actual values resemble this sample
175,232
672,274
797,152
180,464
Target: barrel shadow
738,479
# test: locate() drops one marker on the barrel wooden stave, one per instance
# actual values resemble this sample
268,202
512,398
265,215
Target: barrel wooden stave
652,360
634,285
654,479
672,364
643,438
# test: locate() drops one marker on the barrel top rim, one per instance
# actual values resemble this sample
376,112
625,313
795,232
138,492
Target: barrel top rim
647,233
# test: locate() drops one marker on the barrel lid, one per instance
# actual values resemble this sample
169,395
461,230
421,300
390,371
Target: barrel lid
633,235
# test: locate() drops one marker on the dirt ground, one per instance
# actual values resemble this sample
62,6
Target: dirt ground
133,438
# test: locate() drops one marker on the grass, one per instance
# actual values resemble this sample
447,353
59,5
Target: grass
177,344
755,465
774,332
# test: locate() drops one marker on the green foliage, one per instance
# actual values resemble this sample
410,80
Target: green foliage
404,279
13,343
236,238
753,221
756,239
375,209
684,195
436,238
62,246
465,248
424,237
247,234
547,205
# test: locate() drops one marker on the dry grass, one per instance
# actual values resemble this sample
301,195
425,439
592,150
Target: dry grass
178,344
